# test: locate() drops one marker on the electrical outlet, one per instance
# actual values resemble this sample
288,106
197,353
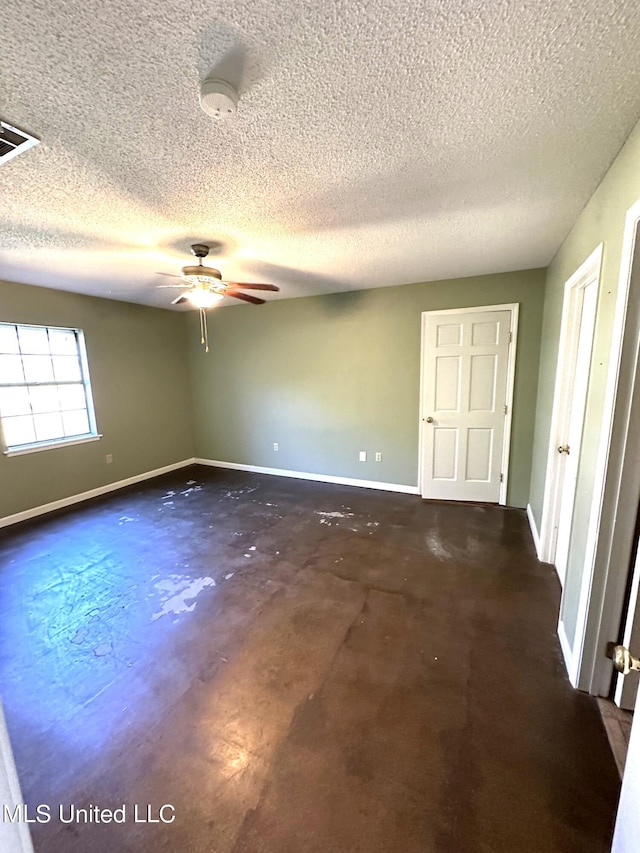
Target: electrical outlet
363,455
378,457
109,458
275,446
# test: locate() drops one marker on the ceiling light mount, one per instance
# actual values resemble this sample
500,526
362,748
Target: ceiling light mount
200,250
218,98
201,275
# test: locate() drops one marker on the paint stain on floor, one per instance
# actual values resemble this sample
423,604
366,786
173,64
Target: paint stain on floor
176,592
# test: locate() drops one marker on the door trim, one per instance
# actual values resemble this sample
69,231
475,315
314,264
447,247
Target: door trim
566,370
514,308
617,484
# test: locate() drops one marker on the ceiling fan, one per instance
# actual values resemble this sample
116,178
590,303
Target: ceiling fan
204,287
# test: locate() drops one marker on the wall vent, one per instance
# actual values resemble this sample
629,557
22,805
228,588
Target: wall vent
14,142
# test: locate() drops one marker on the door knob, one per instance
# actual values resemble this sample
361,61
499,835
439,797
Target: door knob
564,448
624,661
429,420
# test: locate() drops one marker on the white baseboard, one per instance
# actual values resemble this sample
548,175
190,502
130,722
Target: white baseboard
93,493
148,475
319,478
534,532
567,653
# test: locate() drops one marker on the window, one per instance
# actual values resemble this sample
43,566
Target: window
45,395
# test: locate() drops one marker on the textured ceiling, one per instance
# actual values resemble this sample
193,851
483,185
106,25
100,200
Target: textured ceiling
376,143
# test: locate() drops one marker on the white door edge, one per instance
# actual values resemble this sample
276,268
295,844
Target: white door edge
14,837
588,272
616,487
627,827
514,308
511,379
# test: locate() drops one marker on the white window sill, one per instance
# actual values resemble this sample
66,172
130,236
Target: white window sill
64,442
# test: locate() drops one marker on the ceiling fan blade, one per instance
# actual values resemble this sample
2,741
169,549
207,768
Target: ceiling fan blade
245,296
168,274
179,299
171,286
251,285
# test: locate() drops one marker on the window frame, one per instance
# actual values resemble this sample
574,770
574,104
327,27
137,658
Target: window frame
85,381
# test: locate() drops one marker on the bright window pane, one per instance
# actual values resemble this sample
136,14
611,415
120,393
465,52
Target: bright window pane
44,398
11,369
71,397
14,401
37,368
63,342
8,339
75,423
48,426
66,368
18,430
33,340
45,395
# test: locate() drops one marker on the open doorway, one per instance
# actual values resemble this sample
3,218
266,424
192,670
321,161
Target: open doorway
617,708
592,605
625,689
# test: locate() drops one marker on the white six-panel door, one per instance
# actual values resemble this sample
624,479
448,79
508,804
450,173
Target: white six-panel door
464,404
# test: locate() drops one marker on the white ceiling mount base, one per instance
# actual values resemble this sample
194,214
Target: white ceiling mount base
218,98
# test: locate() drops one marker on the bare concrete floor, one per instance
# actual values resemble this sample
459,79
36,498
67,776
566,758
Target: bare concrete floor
295,668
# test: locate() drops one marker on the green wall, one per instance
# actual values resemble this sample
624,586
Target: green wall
327,376
602,220
138,366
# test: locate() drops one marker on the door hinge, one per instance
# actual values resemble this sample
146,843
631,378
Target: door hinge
501,478
510,337
506,408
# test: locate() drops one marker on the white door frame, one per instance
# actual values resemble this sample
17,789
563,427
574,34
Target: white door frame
617,486
566,370
514,308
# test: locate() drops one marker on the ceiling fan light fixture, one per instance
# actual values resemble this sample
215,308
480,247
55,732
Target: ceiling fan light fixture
203,298
204,287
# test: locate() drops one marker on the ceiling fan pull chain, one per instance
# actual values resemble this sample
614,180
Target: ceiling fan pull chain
204,333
